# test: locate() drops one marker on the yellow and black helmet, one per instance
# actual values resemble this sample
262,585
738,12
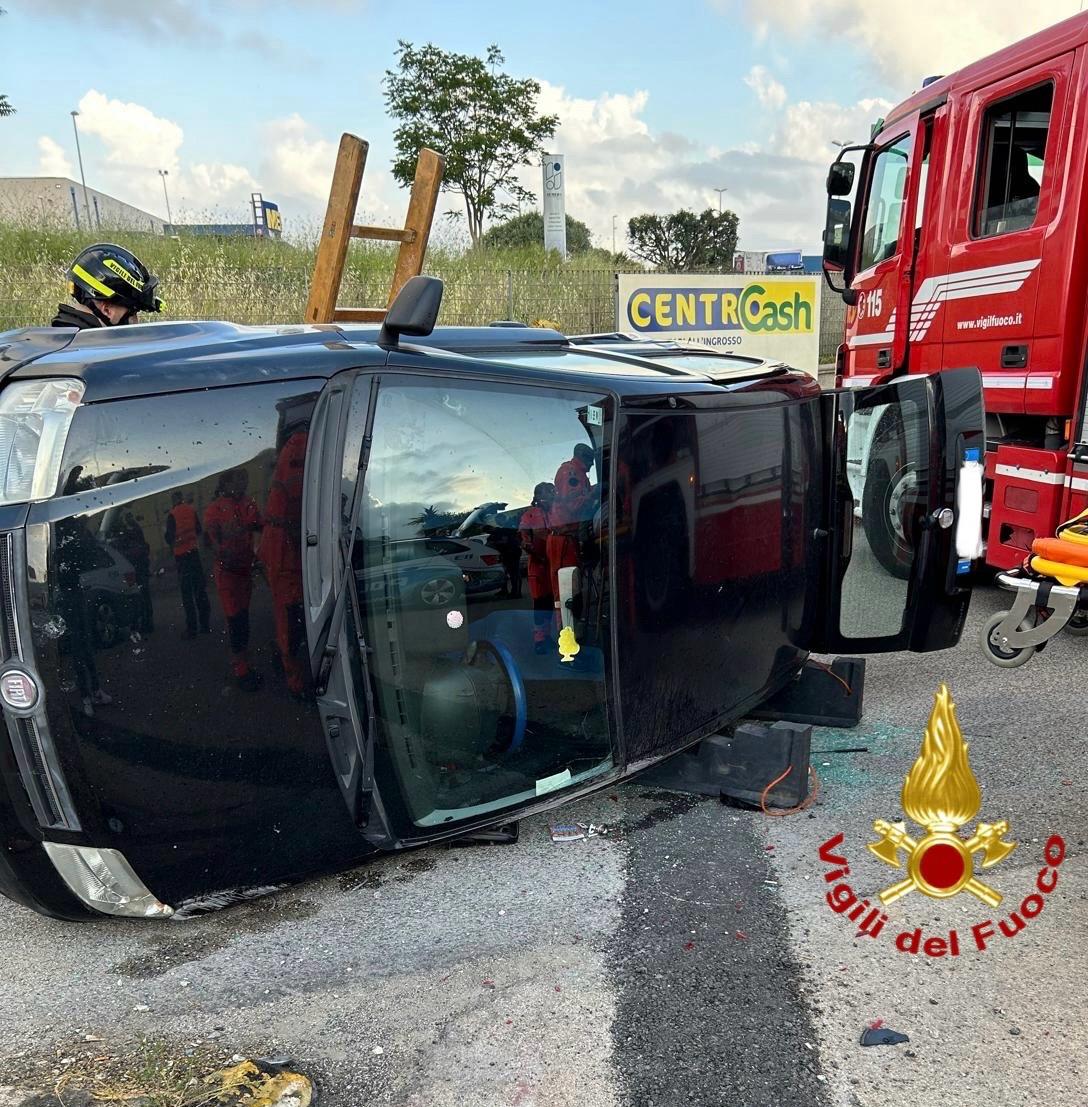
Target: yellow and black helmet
112,273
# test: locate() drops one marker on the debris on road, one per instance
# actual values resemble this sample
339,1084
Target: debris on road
882,1035
577,832
257,1086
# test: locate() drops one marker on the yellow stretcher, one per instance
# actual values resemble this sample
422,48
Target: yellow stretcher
1051,596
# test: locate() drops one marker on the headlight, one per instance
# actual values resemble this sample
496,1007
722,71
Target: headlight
104,880
35,417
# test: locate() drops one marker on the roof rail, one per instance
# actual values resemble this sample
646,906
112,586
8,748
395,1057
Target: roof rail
340,227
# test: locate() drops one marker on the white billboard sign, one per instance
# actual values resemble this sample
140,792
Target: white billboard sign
555,212
761,316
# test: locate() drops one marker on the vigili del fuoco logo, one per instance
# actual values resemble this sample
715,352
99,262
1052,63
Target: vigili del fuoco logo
941,795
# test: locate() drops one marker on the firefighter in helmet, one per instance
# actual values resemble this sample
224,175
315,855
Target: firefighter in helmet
110,286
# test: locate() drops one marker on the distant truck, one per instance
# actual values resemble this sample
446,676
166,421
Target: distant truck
957,237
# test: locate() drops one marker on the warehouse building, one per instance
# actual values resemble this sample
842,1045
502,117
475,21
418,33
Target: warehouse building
58,201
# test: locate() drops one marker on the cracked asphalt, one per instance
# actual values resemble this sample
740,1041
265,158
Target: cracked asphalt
687,958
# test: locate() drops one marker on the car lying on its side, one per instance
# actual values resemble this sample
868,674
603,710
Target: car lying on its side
326,679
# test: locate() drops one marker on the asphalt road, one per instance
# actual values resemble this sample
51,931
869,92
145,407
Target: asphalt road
687,958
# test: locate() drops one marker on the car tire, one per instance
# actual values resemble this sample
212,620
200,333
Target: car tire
437,592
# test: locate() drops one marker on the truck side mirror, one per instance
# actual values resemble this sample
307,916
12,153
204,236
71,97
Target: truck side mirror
837,242
840,178
414,312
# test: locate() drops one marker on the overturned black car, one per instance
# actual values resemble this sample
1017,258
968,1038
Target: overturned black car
380,590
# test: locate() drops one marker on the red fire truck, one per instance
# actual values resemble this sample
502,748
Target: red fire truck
958,236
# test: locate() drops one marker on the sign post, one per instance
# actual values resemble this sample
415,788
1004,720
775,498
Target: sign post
555,214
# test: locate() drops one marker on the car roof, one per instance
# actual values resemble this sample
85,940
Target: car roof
156,358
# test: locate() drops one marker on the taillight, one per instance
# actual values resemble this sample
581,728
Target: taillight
490,559
35,417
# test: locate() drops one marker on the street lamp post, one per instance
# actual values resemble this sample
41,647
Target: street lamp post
79,157
614,218
720,191
164,173
842,145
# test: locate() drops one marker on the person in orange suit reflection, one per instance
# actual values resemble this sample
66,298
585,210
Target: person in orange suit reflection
533,529
574,505
280,552
231,521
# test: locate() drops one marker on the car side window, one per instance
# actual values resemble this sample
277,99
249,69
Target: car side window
481,570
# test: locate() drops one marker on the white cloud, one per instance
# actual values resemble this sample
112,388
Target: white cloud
297,168
769,92
52,160
134,137
616,165
906,42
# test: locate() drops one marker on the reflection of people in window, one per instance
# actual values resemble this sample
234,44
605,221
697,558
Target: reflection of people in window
130,543
574,506
533,529
280,551
230,522
77,553
182,531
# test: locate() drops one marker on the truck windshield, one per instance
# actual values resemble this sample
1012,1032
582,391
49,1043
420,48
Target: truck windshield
480,537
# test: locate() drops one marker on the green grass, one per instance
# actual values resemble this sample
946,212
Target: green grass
257,281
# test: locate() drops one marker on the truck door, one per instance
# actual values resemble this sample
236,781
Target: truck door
877,323
918,602
992,305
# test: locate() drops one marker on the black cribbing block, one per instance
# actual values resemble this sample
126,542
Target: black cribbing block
816,697
741,765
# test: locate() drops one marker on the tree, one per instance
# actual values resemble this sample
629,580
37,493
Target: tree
5,104
683,241
528,230
483,121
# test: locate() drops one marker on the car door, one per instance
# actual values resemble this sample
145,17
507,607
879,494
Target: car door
486,703
920,489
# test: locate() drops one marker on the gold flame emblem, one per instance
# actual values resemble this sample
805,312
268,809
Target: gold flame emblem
941,794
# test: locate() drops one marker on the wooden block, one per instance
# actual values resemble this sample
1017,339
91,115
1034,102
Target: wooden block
383,234
359,315
332,249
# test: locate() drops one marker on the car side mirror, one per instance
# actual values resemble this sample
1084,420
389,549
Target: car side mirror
414,312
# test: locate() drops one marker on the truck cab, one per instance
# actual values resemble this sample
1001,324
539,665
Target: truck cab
956,236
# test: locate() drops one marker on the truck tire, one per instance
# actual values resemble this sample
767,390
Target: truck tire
887,514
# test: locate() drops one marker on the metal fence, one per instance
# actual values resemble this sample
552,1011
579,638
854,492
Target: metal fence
576,301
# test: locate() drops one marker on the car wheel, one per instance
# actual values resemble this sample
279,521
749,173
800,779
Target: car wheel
437,592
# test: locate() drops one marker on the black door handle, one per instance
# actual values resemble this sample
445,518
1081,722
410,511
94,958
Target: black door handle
1014,357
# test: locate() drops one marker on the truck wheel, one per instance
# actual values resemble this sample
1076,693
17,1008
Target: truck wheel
1007,657
887,504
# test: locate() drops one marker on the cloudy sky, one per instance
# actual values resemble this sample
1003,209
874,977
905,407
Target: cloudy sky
659,103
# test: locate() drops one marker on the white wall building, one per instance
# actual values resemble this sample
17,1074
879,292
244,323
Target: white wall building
58,201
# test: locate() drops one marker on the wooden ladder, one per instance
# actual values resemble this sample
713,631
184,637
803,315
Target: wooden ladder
340,227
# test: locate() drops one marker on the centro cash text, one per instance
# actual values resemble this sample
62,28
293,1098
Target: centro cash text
870,920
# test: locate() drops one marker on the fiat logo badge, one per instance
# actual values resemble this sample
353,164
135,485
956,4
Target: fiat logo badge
18,690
